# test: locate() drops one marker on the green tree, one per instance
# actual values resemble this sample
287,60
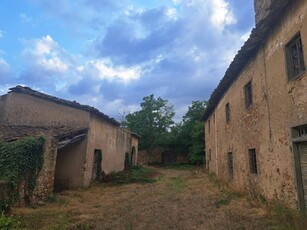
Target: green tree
188,136
152,122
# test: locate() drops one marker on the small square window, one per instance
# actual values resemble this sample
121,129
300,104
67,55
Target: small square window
230,164
295,57
252,161
248,95
227,111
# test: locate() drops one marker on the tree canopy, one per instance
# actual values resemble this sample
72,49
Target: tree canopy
152,122
188,136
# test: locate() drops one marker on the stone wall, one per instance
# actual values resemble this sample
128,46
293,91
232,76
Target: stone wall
45,181
278,105
156,156
261,9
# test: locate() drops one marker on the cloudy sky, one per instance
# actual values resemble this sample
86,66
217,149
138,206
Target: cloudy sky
112,53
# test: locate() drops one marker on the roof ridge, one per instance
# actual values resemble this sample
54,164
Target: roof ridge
29,91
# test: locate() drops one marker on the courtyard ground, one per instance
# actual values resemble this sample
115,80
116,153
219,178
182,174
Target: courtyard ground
182,198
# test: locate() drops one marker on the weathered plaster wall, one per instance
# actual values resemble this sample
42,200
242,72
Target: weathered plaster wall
70,162
113,141
211,144
278,105
26,109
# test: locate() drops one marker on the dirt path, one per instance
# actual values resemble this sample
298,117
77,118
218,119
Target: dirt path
180,199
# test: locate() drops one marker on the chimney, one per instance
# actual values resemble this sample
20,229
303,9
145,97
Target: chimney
261,9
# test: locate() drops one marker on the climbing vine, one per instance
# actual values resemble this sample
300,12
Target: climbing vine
21,162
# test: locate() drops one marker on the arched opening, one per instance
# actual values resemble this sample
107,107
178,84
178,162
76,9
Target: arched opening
169,158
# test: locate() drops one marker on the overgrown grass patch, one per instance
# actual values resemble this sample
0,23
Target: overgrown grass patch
285,218
137,174
180,167
228,194
38,220
178,184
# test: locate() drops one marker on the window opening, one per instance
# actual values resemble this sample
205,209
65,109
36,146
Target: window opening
295,57
227,110
252,161
248,95
230,164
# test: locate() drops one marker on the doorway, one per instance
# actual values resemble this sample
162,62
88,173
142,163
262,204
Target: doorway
301,173
97,169
169,158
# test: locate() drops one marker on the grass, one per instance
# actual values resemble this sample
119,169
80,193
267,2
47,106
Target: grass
137,174
37,220
228,193
282,217
8,222
180,167
285,218
178,184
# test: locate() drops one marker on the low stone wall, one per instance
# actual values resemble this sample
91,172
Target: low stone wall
145,158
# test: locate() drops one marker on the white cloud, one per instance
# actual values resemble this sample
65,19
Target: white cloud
25,18
171,13
176,2
46,53
1,33
5,71
221,15
105,70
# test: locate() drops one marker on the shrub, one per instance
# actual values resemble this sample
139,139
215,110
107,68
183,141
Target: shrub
7,223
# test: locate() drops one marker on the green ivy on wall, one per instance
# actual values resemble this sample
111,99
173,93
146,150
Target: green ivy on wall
21,161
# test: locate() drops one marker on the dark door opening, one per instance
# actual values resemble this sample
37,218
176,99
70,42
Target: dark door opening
68,169
302,153
169,158
97,170
127,161
133,156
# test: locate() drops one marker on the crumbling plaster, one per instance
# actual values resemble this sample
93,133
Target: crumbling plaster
278,105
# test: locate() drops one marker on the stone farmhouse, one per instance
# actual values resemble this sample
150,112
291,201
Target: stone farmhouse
256,120
78,138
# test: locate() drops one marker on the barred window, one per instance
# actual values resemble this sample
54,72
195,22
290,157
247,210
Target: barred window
248,94
230,164
252,161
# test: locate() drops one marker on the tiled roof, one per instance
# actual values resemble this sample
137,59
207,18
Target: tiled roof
248,51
